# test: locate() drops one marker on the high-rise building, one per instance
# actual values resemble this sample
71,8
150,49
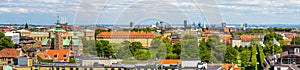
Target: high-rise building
185,24
244,26
204,25
223,24
157,24
131,24
199,24
162,25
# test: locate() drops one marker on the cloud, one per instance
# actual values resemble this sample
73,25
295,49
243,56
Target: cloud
13,10
5,10
265,7
39,6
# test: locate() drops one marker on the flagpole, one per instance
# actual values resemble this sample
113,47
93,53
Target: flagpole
273,51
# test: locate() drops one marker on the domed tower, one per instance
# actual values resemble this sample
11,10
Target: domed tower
58,40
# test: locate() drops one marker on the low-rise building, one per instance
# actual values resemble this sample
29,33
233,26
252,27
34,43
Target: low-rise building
15,37
55,55
175,38
7,55
117,37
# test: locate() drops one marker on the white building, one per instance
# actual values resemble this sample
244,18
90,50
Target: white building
15,37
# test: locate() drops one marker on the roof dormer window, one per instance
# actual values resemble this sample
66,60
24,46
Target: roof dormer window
55,56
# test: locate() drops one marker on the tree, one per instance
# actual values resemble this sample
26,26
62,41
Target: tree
296,41
253,58
217,48
271,48
172,56
177,48
124,52
231,55
189,47
261,56
245,57
5,42
134,46
158,49
166,40
89,48
205,51
104,48
142,54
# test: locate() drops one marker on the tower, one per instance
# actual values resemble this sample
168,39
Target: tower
26,26
58,40
185,24
204,25
243,26
131,24
223,24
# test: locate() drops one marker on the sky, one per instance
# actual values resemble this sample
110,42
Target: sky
81,12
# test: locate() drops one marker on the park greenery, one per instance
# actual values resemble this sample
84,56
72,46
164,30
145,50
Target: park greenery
210,50
5,42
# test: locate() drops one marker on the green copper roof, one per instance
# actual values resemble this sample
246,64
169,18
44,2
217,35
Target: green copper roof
51,30
75,37
44,42
7,67
66,42
75,42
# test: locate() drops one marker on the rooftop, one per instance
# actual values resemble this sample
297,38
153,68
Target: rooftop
60,55
9,53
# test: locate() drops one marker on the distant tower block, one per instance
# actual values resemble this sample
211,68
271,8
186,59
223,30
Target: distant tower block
223,24
162,25
245,26
131,24
157,24
204,25
185,24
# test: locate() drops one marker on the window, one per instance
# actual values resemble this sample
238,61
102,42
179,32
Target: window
65,56
36,68
57,68
55,56
278,68
71,68
297,50
63,68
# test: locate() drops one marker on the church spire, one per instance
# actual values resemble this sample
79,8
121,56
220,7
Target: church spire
58,21
26,26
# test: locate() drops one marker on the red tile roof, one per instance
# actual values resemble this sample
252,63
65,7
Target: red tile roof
9,53
49,54
170,61
210,31
248,38
230,67
226,38
290,35
126,34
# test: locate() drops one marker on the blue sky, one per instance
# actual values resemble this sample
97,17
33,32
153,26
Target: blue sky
148,11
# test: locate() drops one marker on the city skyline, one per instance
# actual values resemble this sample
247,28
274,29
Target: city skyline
116,11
